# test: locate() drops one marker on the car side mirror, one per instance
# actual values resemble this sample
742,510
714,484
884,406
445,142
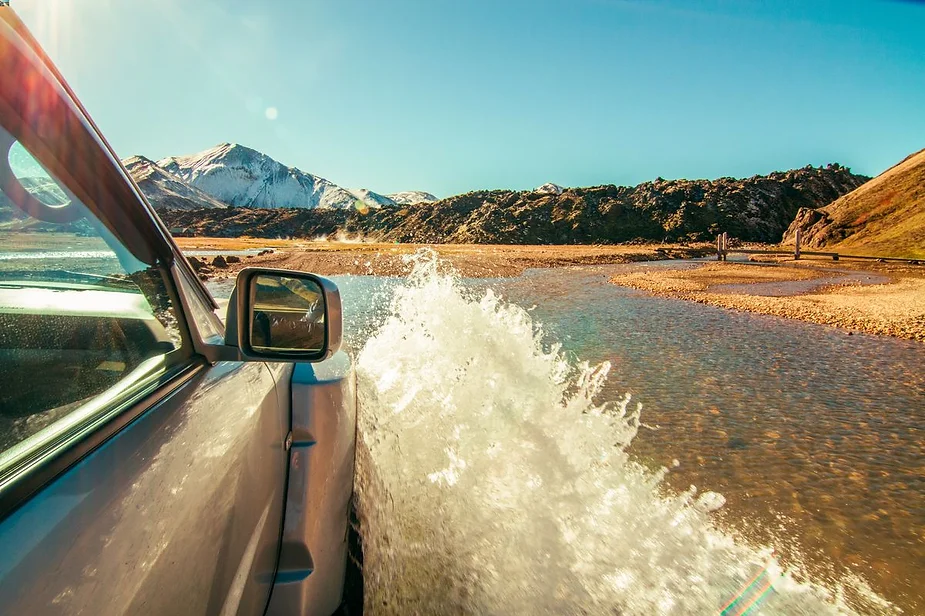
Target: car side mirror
281,315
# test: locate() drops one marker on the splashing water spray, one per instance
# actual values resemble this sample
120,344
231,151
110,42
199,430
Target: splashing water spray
491,481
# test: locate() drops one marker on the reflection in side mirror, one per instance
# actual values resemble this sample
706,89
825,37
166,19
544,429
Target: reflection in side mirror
286,314
279,315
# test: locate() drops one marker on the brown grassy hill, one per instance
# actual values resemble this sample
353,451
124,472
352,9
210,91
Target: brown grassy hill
884,217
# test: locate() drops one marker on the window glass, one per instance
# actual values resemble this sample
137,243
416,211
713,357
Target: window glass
81,319
208,324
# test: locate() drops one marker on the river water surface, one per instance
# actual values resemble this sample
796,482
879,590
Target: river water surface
815,438
503,469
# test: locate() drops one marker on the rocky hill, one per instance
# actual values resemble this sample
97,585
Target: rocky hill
754,209
757,208
166,191
884,217
412,197
370,198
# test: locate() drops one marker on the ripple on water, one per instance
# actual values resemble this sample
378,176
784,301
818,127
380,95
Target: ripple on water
788,420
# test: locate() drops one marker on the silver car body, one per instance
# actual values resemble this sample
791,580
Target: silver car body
223,488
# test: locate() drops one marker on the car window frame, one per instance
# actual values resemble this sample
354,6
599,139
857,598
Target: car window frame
41,464
31,470
38,106
199,306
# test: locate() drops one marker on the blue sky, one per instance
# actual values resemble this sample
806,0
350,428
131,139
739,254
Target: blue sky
450,96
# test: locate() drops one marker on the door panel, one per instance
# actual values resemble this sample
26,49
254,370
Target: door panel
179,513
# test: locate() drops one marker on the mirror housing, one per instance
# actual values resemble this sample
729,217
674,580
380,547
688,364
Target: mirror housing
275,315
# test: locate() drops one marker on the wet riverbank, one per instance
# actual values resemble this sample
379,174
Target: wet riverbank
889,301
813,437
470,260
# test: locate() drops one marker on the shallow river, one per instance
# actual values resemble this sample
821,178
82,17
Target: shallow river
815,438
474,416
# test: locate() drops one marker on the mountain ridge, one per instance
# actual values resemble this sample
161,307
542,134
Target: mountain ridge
166,191
243,177
370,198
412,197
755,209
763,208
236,175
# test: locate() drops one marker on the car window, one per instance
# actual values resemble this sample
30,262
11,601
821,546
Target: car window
81,318
208,324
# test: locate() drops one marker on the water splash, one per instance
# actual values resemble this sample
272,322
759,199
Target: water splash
491,481
344,238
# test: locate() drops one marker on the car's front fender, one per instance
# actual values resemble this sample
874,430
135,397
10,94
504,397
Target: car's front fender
313,553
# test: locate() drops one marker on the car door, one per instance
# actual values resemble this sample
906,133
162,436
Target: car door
135,476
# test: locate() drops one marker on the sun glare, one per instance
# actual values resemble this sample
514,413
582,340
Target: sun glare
52,22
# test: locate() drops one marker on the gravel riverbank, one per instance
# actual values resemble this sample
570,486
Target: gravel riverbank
887,300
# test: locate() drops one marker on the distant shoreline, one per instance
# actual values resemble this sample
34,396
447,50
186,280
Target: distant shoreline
469,260
875,298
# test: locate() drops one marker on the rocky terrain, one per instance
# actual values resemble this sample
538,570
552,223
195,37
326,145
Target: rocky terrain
884,217
752,209
411,197
166,191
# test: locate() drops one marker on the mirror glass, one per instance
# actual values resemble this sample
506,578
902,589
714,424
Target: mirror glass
33,177
287,314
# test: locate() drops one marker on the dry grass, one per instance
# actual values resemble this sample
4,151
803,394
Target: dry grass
885,216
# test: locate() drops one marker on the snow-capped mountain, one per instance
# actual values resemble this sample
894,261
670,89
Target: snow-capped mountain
166,191
244,177
233,174
549,189
370,198
410,197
